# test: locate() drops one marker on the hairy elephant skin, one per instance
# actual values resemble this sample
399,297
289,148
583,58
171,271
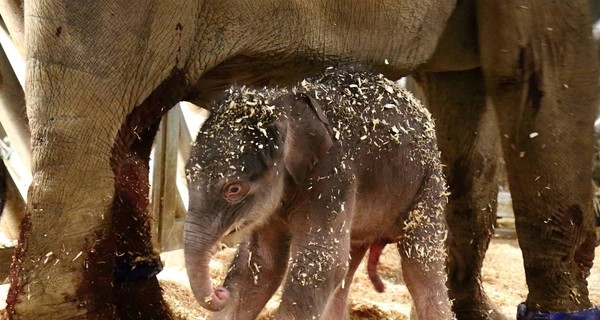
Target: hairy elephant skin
337,164
101,74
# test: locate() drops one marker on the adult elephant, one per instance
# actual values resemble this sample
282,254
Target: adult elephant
100,75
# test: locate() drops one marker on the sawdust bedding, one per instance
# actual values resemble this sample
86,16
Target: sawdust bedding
503,279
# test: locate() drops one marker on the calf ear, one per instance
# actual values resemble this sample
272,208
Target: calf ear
307,137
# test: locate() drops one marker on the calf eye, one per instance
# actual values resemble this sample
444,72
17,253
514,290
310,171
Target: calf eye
235,191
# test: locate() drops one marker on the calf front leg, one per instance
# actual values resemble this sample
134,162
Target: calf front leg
256,272
338,306
314,273
320,250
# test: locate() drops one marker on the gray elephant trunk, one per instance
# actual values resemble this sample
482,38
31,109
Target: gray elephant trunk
197,249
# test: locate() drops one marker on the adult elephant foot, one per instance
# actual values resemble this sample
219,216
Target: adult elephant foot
471,309
470,302
469,151
476,306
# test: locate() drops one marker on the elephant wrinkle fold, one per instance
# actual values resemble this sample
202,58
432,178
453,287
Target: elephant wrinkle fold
338,163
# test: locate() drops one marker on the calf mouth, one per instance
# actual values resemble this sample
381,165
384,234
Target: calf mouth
235,234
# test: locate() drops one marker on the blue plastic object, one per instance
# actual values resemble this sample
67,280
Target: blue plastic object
588,314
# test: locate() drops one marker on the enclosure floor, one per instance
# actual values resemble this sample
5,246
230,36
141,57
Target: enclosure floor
503,279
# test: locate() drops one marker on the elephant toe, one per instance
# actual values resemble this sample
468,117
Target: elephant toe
482,310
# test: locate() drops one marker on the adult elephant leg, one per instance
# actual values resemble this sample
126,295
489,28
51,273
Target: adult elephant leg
70,239
468,140
86,203
97,75
63,259
541,75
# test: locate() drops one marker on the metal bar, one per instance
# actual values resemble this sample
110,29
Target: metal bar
20,174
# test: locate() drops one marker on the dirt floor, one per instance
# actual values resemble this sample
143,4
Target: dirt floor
503,278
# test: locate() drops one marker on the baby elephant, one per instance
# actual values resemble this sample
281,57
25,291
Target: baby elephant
316,175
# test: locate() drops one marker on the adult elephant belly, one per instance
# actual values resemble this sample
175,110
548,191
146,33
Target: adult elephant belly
393,37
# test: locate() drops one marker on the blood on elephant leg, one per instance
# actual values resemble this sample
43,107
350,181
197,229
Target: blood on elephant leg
64,262
541,75
136,289
468,140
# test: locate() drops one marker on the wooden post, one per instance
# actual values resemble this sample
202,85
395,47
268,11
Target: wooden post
185,142
15,151
14,211
13,118
169,188
12,14
192,119
164,187
13,54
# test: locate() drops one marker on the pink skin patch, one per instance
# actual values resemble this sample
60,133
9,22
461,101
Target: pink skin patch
217,299
221,294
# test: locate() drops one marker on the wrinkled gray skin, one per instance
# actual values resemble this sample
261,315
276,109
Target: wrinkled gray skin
315,176
101,73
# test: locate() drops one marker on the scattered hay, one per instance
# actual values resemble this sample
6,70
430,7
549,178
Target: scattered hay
503,279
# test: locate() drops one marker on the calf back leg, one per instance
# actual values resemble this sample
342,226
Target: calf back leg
423,251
